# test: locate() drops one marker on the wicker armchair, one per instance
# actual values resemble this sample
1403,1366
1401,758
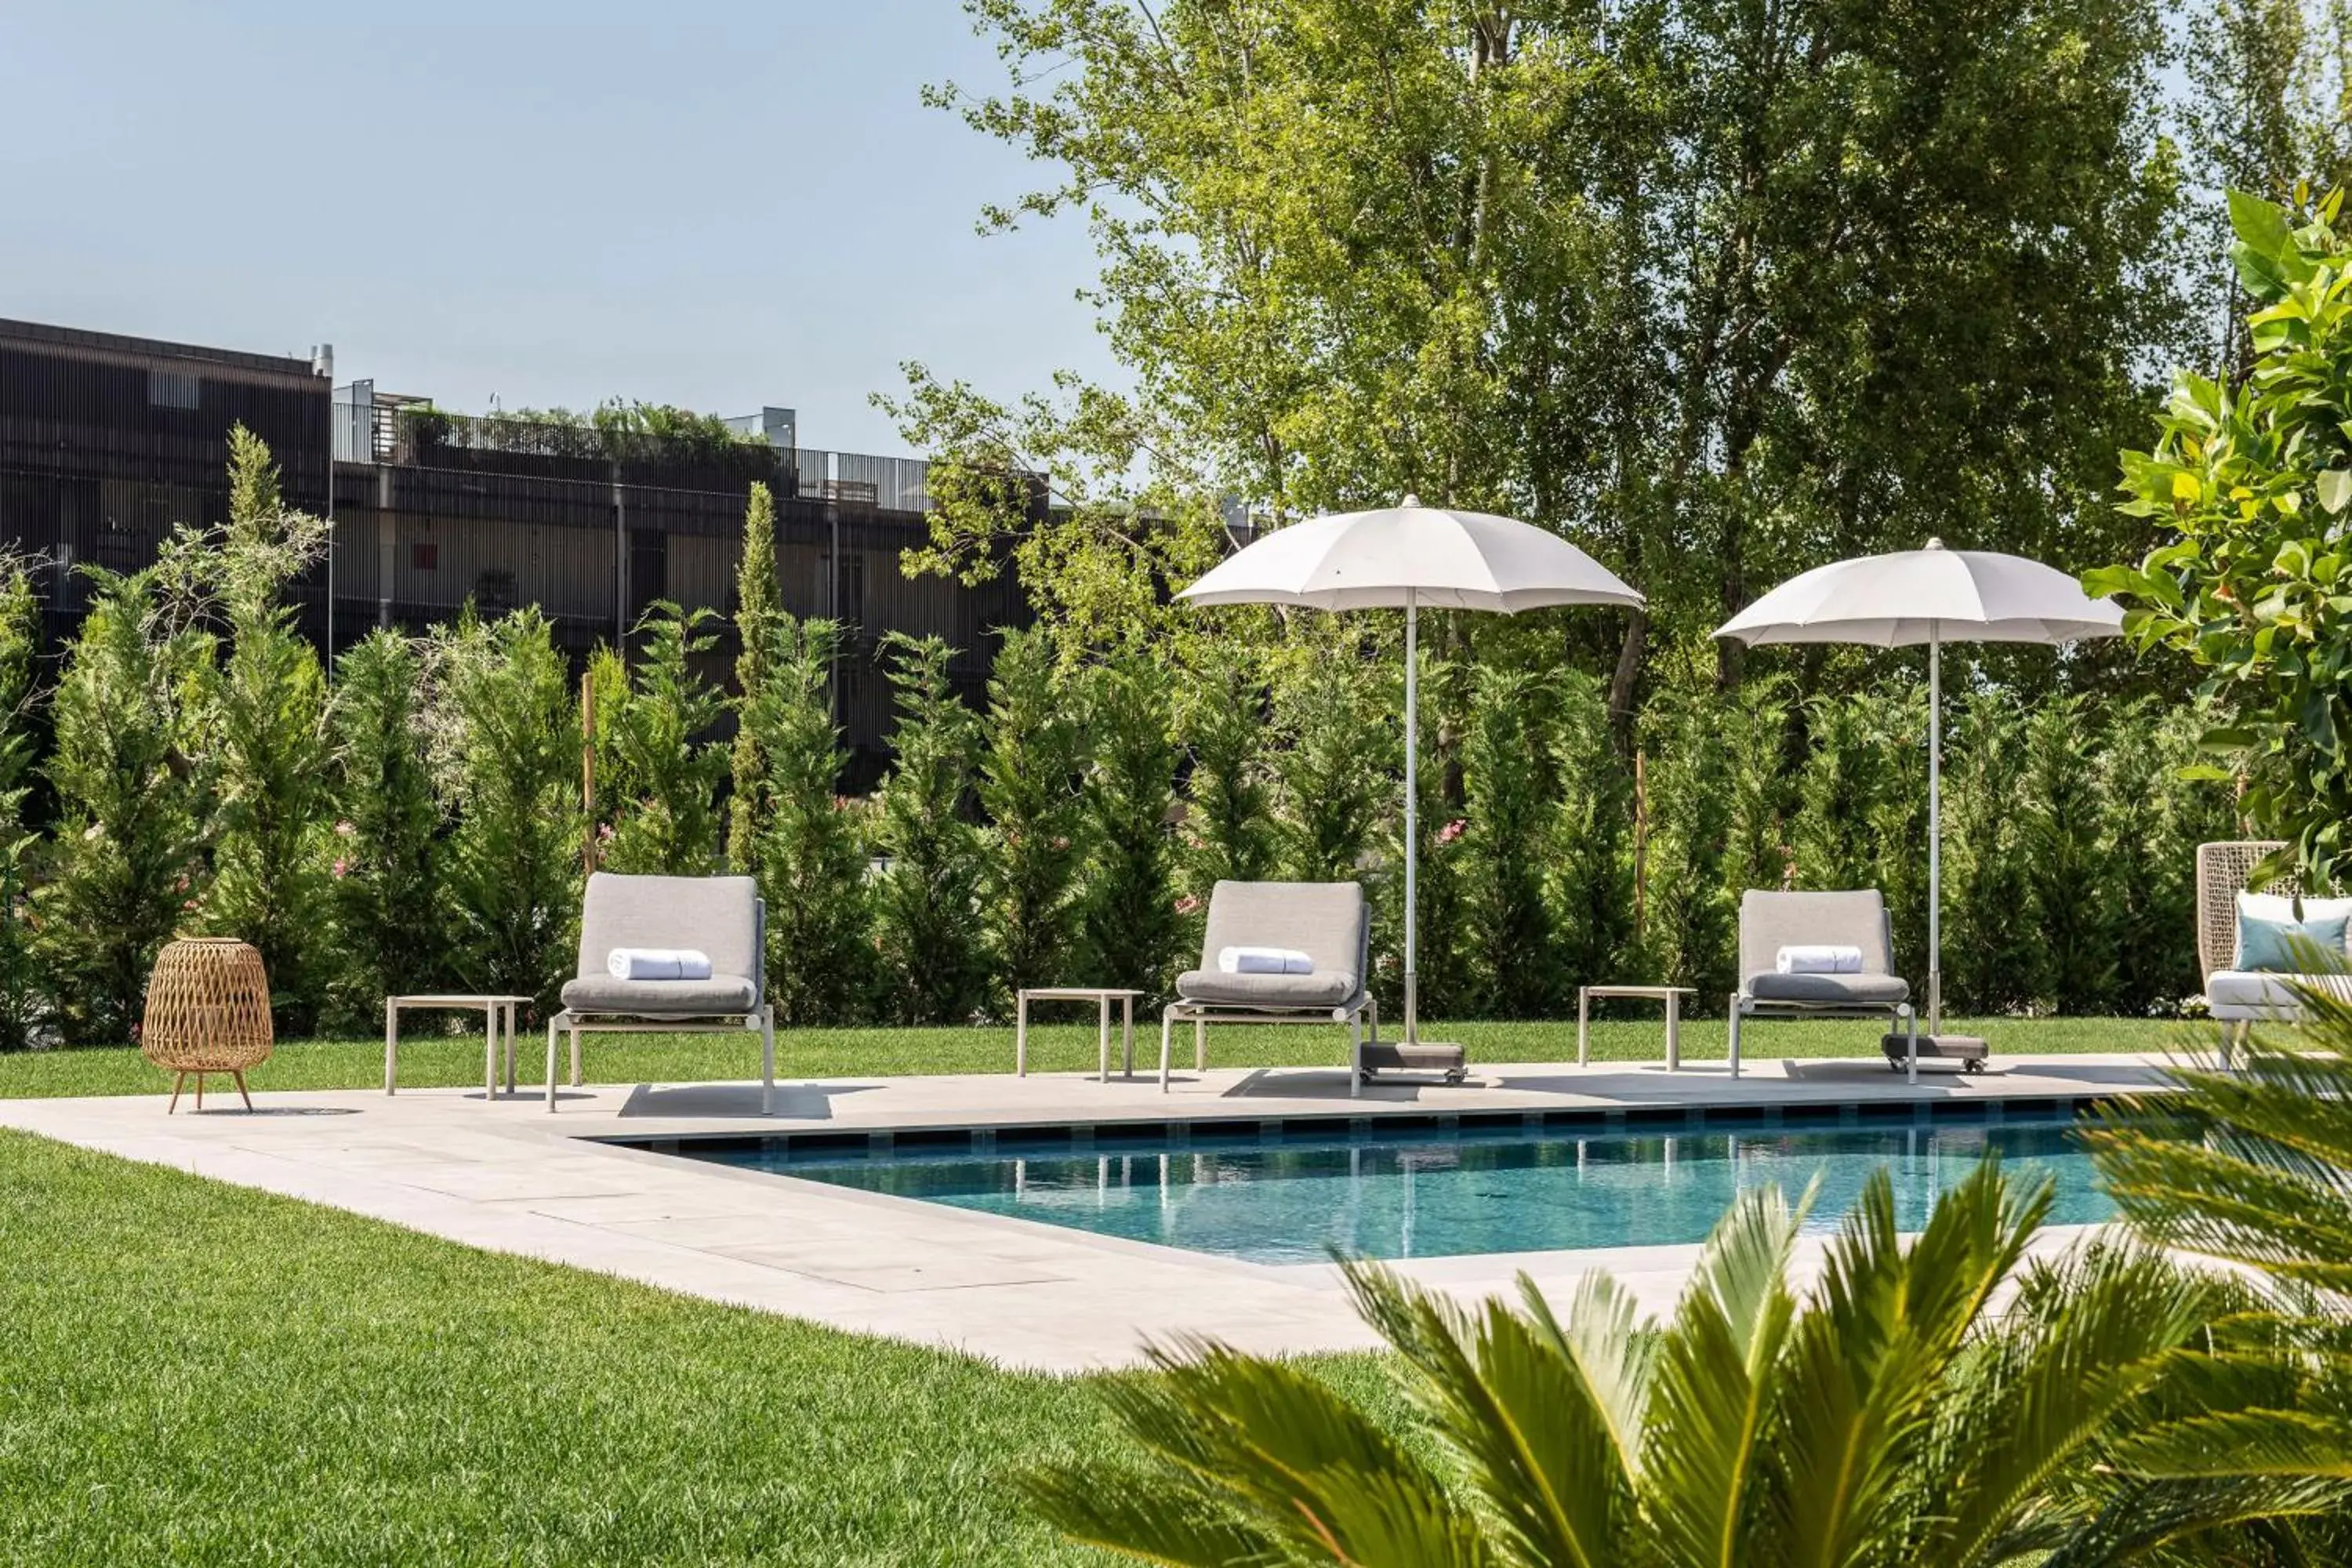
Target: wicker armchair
2223,871
2238,1001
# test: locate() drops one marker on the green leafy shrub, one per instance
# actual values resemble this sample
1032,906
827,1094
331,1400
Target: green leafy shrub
2249,485
265,728
809,853
1757,852
24,1002
1591,863
509,744
1511,778
387,892
1839,795
1130,791
1447,984
934,963
657,775
1220,725
1991,958
1037,842
1335,751
1688,912
129,836
750,808
2067,887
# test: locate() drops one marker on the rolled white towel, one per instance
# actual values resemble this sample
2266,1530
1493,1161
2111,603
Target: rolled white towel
1264,960
1820,959
658,964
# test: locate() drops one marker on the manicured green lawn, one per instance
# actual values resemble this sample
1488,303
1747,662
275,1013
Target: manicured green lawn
431,1058
193,1373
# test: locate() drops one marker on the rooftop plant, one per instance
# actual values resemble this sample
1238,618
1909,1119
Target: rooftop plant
616,430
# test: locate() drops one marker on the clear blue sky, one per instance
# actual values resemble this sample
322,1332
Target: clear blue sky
713,205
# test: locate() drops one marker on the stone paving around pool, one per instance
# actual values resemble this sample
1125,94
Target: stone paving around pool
505,1175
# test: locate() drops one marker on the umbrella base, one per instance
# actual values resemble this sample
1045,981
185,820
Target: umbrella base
1969,1050
1419,1055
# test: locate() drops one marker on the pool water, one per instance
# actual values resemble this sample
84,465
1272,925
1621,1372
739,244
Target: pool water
1298,1197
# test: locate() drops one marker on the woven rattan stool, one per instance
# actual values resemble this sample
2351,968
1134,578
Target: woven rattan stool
207,1012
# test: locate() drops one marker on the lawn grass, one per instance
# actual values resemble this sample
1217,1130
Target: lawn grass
194,1373
433,1059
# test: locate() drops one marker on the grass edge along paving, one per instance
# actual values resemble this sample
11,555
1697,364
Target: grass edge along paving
432,1057
200,1372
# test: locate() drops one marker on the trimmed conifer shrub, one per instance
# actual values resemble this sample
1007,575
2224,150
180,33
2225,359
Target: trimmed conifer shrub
129,836
809,852
934,963
1037,843
384,876
508,742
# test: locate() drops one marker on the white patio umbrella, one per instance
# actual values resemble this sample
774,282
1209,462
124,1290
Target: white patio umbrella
1409,557
1933,596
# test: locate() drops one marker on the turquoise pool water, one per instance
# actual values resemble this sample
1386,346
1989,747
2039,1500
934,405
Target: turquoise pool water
1294,1196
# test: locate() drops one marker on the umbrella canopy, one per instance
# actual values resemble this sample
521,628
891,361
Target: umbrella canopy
1405,557
1411,554
1933,596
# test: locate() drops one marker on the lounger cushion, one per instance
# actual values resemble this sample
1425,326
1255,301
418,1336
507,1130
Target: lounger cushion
719,994
715,915
1831,990
2235,995
1332,988
1771,920
1327,921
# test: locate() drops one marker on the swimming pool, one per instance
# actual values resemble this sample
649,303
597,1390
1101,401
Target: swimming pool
1293,1194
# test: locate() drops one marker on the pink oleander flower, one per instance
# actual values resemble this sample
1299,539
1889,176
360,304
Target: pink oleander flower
1187,905
1454,830
605,833
345,829
342,866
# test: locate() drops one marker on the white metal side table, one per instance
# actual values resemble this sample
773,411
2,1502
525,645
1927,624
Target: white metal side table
498,1019
1102,996
1671,995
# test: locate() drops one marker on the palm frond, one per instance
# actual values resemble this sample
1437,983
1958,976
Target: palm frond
1139,1514
1506,1392
2252,1165
1276,1454
2249,1521
1711,1400
2059,1377
1869,1355
2281,1442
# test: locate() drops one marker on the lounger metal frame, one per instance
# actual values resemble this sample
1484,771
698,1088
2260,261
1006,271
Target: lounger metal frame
1900,1014
762,1018
1201,1015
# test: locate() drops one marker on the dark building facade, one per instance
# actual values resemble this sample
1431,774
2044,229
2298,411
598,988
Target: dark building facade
106,443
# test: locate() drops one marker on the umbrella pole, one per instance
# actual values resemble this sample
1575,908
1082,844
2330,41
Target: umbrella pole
1935,832
1411,805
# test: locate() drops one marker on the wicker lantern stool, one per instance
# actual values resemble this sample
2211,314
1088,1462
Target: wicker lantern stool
207,1012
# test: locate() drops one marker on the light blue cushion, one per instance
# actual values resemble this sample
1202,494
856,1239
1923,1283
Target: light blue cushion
2277,947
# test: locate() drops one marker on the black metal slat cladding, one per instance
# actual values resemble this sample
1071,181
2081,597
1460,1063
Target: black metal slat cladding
107,443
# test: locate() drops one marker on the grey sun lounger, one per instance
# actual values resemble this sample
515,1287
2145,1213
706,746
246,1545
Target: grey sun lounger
1769,921
720,916
1329,922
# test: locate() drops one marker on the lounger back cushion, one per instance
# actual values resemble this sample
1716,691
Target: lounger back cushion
717,915
1329,921
1769,921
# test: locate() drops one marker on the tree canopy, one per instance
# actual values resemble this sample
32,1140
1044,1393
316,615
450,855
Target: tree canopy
1720,289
